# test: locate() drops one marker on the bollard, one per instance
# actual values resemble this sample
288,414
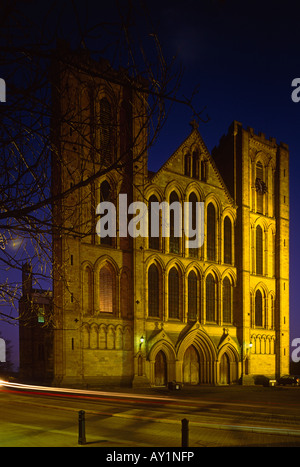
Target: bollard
81,427
185,433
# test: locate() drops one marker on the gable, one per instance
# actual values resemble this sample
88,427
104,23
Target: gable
192,162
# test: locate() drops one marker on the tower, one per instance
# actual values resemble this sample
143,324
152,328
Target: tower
256,172
99,152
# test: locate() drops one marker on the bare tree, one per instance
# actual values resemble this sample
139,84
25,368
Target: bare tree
35,43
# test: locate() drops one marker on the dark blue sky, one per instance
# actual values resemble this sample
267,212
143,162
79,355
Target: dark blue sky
244,56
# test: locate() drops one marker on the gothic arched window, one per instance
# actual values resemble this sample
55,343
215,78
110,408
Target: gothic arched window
153,291
227,301
192,296
187,164
258,308
173,293
153,213
106,130
193,252
259,250
210,298
259,193
106,289
227,240
211,232
195,168
105,195
175,221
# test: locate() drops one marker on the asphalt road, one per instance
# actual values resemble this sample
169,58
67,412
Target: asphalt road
218,417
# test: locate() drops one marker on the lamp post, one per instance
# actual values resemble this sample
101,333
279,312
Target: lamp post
141,341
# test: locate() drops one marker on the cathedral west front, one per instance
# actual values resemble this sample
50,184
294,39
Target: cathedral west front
152,309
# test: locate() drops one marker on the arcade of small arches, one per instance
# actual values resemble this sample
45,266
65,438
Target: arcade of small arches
263,344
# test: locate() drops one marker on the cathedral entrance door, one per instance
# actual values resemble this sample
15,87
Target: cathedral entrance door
160,369
191,366
224,369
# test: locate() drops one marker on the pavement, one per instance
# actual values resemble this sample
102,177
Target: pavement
226,416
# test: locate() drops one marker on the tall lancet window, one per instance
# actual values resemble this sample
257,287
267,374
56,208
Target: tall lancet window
210,298
153,291
106,130
106,292
259,250
227,301
258,309
211,232
153,213
193,252
105,195
259,186
192,296
227,241
174,294
175,212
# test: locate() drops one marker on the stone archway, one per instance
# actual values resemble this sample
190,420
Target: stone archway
228,365
196,358
160,369
224,377
191,366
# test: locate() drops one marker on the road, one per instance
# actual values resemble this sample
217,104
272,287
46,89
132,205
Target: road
228,416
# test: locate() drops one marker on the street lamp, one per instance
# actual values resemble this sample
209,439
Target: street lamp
141,341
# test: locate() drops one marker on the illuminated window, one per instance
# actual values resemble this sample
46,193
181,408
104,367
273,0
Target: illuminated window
227,241
41,315
211,232
259,250
227,300
192,296
258,308
106,284
153,291
210,298
173,293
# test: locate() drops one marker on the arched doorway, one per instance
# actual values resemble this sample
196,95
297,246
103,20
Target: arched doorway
224,369
160,369
191,367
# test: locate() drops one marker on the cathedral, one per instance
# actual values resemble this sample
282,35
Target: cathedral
151,310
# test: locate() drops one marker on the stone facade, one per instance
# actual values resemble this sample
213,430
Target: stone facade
150,311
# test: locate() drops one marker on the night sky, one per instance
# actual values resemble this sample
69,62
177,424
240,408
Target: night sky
244,56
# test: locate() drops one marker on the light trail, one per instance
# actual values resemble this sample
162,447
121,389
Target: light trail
204,423
84,393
